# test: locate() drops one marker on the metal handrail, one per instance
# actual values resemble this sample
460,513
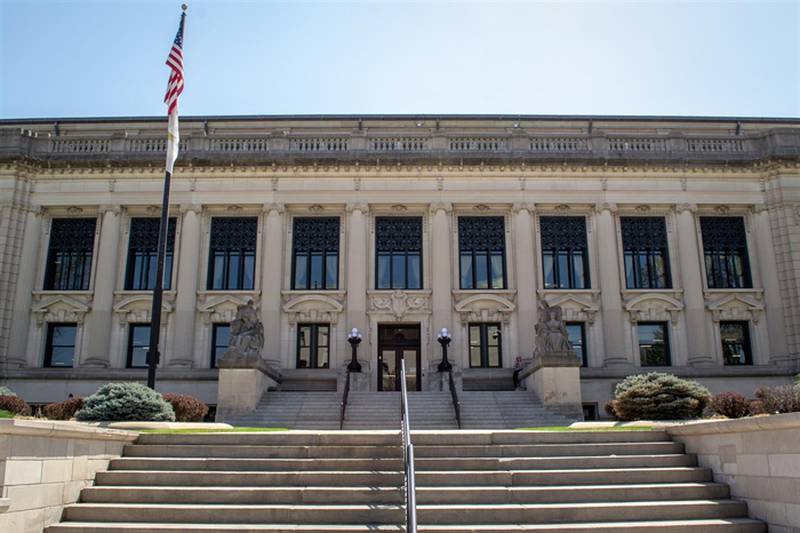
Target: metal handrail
408,455
454,396
343,405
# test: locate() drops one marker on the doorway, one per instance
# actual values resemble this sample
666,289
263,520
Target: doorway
397,343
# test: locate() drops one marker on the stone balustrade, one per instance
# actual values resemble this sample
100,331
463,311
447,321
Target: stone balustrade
276,144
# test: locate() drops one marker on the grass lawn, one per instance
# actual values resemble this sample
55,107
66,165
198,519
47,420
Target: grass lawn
567,428
189,431
6,414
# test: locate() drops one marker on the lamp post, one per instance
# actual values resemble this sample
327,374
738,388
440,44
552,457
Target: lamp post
444,339
354,338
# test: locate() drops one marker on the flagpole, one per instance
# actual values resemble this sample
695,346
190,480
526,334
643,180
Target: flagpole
153,353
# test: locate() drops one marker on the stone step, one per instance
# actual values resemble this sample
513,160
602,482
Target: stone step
395,495
473,437
394,514
549,450
556,463
278,438
232,451
248,479
257,464
587,476
242,514
732,525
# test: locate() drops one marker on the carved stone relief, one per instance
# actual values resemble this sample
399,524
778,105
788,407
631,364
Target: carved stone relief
484,307
314,307
399,303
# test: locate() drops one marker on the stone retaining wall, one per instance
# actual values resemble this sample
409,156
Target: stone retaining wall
44,465
759,458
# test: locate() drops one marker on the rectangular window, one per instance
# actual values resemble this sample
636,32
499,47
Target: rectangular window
482,251
313,346
69,255
220,335
735,337
577,339
315,252
644,241
398,252
232,254
138,345
485,346
60,346
565,257
725,253
143,252
653,343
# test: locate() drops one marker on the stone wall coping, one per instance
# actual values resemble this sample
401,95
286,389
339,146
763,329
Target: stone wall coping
64,430
738,425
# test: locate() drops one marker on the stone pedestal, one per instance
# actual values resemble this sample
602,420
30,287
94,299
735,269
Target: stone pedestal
240,389
555,379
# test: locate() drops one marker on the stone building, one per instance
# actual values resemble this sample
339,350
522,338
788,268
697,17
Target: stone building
670,244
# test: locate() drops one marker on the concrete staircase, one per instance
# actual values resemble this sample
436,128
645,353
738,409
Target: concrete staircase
468,481
508,410
293,410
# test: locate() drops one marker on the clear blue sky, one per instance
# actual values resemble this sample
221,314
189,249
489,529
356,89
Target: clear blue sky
106,58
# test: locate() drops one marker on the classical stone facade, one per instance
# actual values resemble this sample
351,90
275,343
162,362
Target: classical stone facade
669,244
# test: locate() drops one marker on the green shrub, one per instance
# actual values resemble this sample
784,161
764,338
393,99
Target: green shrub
730,404
659,396
187,408
783,399
15,404
126,401
5,391
63,410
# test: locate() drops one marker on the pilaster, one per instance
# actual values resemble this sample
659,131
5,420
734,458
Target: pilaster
99,321
272,278
186,296
357,261
442,278
525,262
610,295
18,352
697,328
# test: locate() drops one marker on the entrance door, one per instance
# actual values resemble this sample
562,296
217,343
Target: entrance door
396,343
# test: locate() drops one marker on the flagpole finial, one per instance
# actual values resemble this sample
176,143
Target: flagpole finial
184,7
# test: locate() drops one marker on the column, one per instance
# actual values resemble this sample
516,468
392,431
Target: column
357,269
186,297
526,277
692,285
18,353
98,323
614,333
773,300
272,280
441,278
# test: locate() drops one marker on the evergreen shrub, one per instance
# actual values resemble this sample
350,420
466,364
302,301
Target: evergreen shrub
126,402
5,391
187,408
659,396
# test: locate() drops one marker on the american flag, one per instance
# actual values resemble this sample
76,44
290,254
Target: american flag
174,90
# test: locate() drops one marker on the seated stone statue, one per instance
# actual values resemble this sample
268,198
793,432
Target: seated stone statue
246,338
551,331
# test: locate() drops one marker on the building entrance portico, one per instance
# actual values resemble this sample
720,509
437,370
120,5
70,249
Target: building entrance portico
398,342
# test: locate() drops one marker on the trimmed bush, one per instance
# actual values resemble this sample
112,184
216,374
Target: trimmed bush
782,399
126,401
730,404
609,409
757,408
5,391
659,396
187,408
63,410
15,404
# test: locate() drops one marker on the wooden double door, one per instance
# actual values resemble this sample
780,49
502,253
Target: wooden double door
398,343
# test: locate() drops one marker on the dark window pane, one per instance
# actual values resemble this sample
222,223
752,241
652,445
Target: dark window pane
475,356
653,344
304,357
384,271
414,277
220,338
249,270
644,240
143,254
398,271
316,271
219,270
494,356
300,274
322,357
466,271
735,338
565,281
138,345
62,356
481,243
60,348
233,247
322,336
233,271
331,271
313,342
577,272
485,345
564,242
481,272
630,271
576,334
549,270
69,256
725,250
